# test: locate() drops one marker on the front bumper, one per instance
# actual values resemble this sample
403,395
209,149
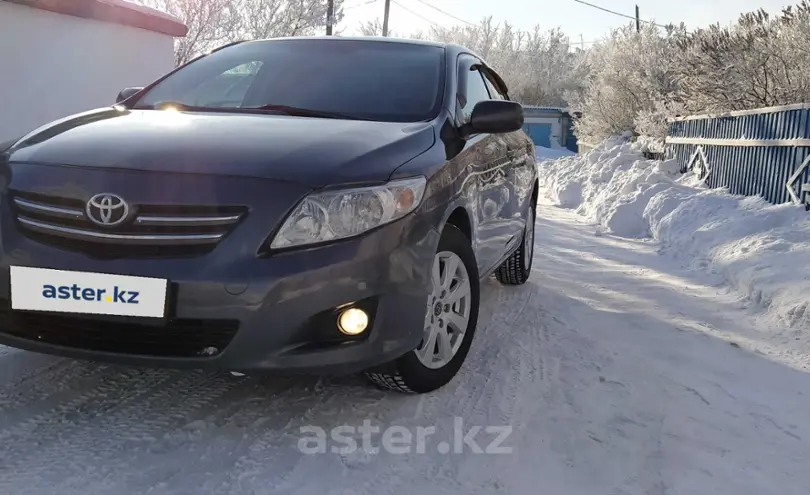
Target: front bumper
244,313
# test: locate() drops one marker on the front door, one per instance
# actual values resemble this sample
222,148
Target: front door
520,172
486,157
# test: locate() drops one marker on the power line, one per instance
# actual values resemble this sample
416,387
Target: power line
417,15
606,10
423,2
620,14
434,23
355,5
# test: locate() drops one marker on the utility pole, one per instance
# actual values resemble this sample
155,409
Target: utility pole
385,17
582,42
638,21
330,14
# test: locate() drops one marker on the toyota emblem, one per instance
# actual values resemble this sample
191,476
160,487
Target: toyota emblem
107,209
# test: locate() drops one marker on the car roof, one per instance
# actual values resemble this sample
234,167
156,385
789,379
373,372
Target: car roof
451,47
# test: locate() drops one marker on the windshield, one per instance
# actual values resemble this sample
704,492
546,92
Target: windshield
373,80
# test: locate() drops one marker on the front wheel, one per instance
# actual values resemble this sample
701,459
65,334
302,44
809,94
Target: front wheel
450,320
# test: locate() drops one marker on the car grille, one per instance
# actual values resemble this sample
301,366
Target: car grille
152,230
179,337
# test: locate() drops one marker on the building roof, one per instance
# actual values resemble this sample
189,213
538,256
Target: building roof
115,11
545,109
530,111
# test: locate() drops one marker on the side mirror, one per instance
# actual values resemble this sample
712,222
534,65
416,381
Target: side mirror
495,117
126,94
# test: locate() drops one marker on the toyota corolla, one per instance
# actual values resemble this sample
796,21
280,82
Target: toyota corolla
322,205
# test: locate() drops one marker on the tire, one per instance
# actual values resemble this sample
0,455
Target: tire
515,269
430,367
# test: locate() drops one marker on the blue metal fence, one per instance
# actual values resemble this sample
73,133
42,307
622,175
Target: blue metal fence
763,152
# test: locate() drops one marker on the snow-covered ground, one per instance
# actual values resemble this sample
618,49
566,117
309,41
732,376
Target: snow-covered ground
761,250
544,153
618,370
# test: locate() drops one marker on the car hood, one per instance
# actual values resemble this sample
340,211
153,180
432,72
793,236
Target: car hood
312,151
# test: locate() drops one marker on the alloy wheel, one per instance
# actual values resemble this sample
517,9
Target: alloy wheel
448,311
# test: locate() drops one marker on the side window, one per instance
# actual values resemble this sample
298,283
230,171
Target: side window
493,89
476,91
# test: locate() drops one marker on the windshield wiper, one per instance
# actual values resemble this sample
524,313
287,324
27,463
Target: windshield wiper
302,112
285,109
175,105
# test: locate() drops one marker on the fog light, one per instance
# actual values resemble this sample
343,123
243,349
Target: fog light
353,321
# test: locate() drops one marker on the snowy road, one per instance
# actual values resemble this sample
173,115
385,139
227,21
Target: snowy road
619,372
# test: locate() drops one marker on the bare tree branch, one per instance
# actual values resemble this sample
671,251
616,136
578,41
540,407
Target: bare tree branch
212,23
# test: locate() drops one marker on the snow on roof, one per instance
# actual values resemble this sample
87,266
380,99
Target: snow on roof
115,11
546,109
531,110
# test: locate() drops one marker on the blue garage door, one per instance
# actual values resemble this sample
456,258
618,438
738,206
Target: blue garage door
540,134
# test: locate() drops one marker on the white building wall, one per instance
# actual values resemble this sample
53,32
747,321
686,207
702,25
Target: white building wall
556,131
53,65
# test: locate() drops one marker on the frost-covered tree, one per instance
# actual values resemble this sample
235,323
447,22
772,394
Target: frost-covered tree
374,27
209,22
545,69
212,23
631,73
276,18
539,66
760,61
640,80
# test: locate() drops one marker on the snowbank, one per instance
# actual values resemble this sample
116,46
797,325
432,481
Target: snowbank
544,153
762,250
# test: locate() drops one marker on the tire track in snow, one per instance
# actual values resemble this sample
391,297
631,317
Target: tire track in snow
516,359
538,366
212,435
49,429
251,410
254,424
62,412
68,376
26,367
278,446
131,410
162,418
503,350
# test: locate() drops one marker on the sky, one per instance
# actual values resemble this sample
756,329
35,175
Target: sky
580,22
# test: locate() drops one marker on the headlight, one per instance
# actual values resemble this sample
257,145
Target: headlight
332,215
